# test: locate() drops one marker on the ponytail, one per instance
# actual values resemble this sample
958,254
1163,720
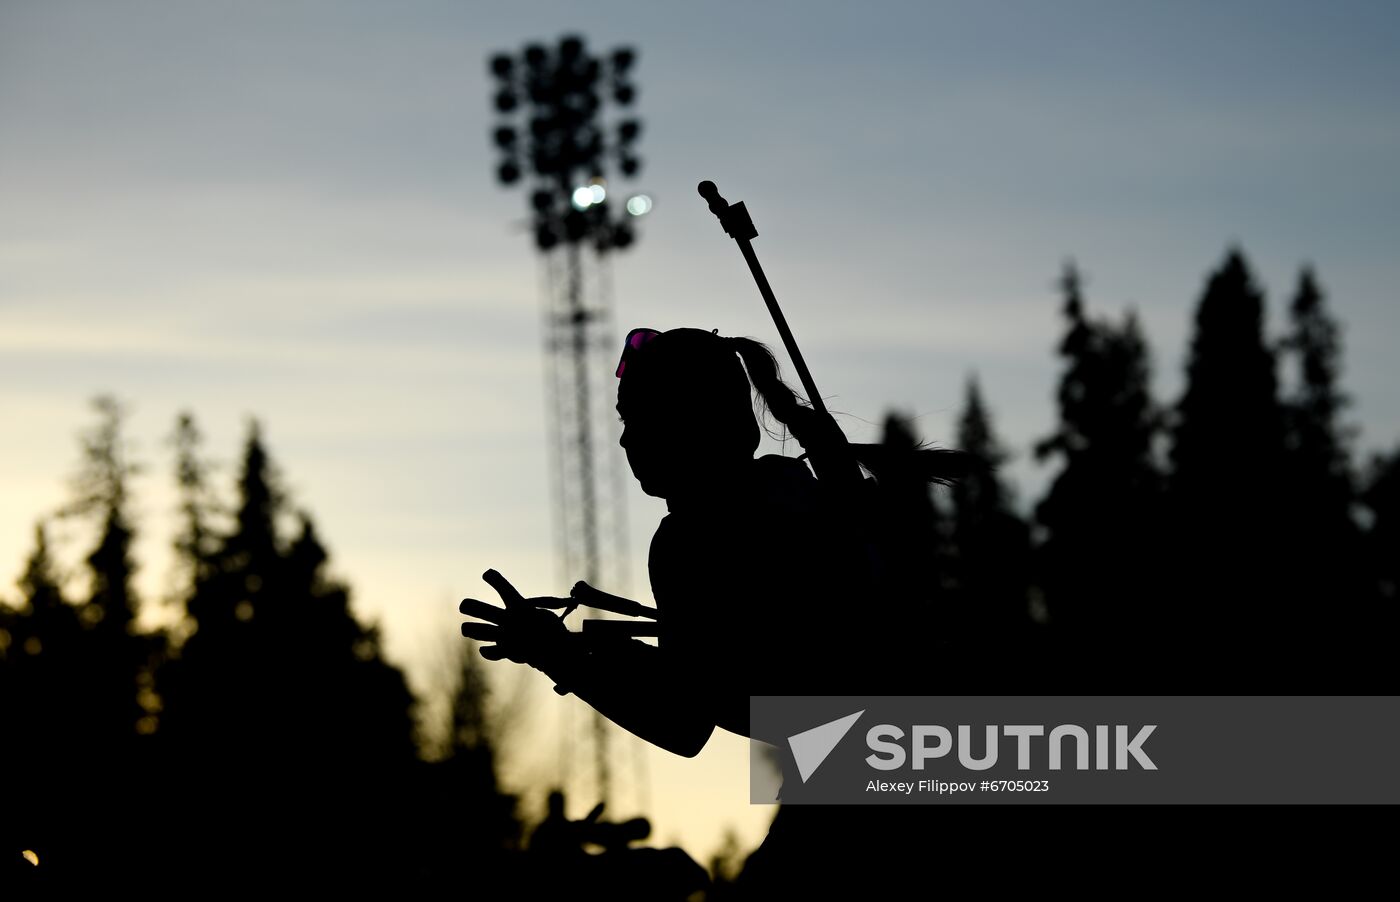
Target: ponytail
937,465
778,398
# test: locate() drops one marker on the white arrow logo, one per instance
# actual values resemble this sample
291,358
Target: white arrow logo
810,747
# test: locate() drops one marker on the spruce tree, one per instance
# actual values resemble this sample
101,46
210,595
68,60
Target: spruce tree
1227,494
45,692
196,540
1326,588
1097,561
106,782
118,657
989,555
280,696
489,819
45,668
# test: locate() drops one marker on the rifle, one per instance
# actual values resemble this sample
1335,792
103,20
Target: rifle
833,459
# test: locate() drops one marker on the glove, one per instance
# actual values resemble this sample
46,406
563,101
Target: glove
523,630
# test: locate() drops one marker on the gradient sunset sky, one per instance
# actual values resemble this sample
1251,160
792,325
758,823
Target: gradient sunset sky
287,210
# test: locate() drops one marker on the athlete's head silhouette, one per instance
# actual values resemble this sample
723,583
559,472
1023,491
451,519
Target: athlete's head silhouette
689,425
687,407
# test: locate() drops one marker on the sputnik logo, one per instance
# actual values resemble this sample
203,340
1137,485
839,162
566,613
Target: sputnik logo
811,747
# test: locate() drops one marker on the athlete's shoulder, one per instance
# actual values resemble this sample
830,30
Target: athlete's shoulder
780,465
786,480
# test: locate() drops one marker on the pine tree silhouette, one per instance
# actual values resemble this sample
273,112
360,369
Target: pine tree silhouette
90,688
474,822
118,653
910,531
196,541
1324,598
272,747
44,676
283,694
1228,497
910,522
1097,562
42,679
989,558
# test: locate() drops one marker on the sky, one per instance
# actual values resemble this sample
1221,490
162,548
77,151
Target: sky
287,210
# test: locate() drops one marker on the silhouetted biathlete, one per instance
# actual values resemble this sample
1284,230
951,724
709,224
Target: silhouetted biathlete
762,586
757,586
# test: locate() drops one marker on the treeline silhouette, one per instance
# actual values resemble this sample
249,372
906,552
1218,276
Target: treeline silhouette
261,742
1229,542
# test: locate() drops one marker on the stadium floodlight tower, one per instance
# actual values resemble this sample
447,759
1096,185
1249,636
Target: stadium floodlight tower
556,141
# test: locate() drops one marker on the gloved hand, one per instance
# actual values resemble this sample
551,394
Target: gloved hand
522,631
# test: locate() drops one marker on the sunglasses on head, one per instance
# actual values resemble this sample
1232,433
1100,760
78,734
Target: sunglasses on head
634,340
